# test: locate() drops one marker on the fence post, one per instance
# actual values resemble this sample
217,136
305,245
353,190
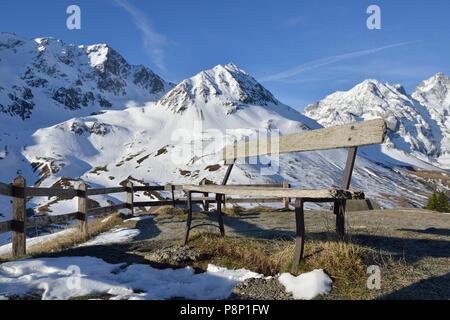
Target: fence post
286,200
172,188
19,217
82,209
130,198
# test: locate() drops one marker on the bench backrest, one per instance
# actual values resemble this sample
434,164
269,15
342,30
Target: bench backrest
346,136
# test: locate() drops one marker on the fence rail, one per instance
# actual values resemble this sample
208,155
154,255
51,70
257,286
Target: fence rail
20,192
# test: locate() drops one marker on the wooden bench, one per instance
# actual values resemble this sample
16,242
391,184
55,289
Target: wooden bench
348,136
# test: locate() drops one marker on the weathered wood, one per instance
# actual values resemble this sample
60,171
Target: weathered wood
5,226
51,192
300,234
130,198
268,185
5,189
18,223
170,187
159,203
276,192
348,171
286,200
83,209
228,172
189,218
172,192
149,188
347,136
44,221
254,200
339,211
219,199
107,210
99,191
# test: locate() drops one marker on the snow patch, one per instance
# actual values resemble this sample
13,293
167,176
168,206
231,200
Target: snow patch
307,285
56,279
115,236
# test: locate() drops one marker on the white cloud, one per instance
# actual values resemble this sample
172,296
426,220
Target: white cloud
308,66
153,41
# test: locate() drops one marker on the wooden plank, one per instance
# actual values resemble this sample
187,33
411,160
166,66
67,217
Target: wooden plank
158,203
83,209
174,187
51,192
5,226
5,189
18,223
277,192
99,191
254,200
347,136
270,185
149,188
105,210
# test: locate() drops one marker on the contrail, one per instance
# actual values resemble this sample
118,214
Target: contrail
327,61
153,41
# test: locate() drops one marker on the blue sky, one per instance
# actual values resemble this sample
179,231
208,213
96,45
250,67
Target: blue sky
300,50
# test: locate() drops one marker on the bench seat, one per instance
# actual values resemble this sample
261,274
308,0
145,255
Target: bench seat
317,194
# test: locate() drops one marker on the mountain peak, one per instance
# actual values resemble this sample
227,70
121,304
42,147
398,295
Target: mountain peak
434,93
227,85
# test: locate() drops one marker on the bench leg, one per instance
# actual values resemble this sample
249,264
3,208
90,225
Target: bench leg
189,218
219,198
300,234
205,202
339,211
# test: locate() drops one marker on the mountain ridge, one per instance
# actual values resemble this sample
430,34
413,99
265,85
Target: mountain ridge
416,125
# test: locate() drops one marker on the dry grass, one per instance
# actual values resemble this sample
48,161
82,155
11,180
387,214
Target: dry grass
234,211
71,239
345,262
169,211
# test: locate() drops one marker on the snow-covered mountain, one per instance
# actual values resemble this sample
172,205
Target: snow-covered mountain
176,141
434,94
170,134
418,124
45,80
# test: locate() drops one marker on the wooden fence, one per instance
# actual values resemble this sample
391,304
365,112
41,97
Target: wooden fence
20,192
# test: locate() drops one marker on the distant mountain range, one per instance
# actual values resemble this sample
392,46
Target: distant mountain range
82,112
419,123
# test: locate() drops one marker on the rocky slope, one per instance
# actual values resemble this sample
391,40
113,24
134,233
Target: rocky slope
45,80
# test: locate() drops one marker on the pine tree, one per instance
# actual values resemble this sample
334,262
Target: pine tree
441,202
432,202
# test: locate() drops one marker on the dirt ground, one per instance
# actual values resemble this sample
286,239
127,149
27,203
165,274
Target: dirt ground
419,238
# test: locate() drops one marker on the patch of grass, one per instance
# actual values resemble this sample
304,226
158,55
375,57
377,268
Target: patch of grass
170,211
260,209
345,262
234,211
